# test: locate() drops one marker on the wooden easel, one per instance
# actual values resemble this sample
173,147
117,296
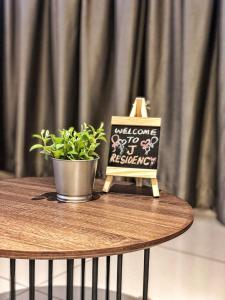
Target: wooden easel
138,110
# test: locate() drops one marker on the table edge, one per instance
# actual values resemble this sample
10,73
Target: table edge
49,255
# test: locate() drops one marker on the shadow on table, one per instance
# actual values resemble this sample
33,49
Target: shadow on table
115,188
59,293
52,196
131,189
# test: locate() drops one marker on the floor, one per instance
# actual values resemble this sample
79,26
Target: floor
190,267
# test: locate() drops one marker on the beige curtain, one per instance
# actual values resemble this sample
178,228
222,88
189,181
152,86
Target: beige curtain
65,62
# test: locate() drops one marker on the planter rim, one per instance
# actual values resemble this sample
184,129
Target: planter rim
74,160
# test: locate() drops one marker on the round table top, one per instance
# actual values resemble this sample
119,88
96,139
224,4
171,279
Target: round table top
34,225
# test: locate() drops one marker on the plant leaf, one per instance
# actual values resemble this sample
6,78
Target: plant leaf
70,144
36,146
38,136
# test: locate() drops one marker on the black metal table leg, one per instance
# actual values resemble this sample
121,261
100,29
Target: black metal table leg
12,278
146,273
95,278
50,272
31,279
82,292
107,288
69,289
70,269
119,276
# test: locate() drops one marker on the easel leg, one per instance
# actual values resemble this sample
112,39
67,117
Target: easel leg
138,182
107,184
155,187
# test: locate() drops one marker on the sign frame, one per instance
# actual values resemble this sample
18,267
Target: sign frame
138,117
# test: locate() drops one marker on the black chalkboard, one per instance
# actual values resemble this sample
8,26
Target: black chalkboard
134,146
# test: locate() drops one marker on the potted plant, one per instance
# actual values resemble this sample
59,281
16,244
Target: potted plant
74,160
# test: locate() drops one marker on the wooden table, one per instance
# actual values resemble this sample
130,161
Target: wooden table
34,225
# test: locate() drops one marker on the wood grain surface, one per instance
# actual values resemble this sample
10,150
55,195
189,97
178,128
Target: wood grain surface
34,225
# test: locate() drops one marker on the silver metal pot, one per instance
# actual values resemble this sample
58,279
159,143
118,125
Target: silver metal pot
74,179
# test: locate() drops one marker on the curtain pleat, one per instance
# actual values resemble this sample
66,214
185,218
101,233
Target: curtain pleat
220,120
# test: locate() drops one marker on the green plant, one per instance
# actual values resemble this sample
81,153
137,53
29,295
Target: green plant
71,144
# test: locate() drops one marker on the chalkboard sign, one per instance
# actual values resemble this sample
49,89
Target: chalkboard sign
134,146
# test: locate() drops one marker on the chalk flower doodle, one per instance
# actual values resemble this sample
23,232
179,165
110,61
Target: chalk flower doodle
148,144
118,143
153,160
